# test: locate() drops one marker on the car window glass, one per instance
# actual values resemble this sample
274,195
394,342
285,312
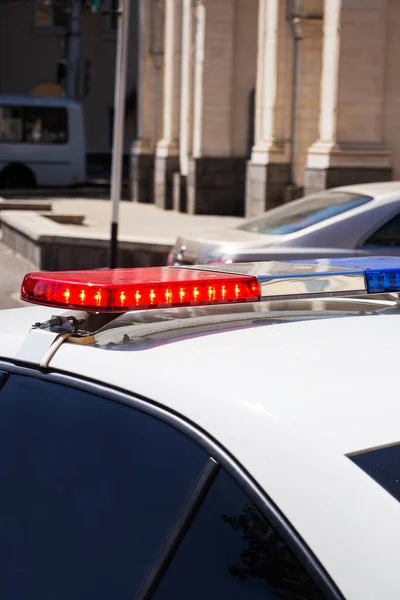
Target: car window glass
303,213
231,551
11,129
45,125
387,235
383,465
90,489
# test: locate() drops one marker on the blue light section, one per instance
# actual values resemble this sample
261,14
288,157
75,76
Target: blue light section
383,281
382,273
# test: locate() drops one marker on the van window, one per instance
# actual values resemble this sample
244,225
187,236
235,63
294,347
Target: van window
45,125
34,124
11,127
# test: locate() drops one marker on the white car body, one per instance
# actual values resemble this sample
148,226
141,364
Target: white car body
284,403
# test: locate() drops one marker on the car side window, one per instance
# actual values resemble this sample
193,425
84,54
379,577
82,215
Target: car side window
90,489
232,551
387,235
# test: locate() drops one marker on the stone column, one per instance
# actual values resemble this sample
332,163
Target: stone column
148,104
309,93
216,170
268,171
186,105
167,153
350,147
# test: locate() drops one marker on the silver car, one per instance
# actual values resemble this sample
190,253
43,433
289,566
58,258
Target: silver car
354,220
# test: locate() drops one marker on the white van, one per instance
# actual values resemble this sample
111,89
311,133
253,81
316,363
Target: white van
42,142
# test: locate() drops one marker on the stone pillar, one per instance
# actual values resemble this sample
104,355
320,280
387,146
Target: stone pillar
216,167
149,88
186,105
268,171
309,93
350,147
167,153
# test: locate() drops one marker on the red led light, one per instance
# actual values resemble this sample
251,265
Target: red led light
121,290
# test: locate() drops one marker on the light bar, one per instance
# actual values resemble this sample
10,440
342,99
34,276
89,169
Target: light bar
322,276
382,273
122,290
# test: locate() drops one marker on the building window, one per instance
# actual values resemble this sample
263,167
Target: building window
51,14
111,21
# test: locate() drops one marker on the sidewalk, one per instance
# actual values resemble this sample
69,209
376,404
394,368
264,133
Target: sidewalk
54,239
138,221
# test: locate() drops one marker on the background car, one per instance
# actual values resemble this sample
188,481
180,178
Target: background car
348,221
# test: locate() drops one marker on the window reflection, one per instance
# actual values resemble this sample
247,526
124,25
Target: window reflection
232,551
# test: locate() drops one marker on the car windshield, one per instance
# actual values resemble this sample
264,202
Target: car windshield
303,213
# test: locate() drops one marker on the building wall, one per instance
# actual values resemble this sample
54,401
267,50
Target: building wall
359,99
29,55
228,50
392,87
310,91
346,126
244,72
213,79
100,47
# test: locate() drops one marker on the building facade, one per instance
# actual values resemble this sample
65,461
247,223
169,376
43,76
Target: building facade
33,37
245,104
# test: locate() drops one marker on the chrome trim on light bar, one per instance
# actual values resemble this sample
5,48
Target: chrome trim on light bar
314,285
296,280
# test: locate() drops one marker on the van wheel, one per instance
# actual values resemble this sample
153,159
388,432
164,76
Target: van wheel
17,176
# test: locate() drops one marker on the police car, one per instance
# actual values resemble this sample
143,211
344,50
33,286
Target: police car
181,433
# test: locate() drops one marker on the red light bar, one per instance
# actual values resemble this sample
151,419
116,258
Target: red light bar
121,290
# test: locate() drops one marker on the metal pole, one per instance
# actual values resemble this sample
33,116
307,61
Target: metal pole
119,122
73,48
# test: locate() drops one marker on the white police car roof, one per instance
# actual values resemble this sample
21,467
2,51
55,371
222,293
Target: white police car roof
288,401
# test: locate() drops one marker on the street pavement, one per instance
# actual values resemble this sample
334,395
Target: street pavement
13,267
